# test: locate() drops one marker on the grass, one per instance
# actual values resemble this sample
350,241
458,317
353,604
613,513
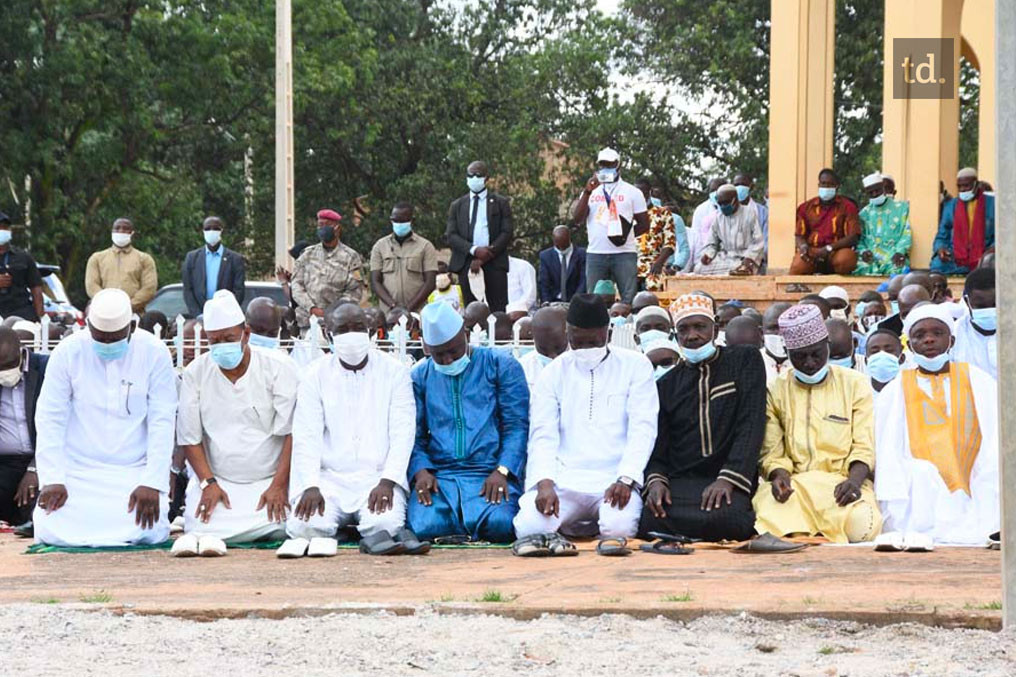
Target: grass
609,600
495,596
46,600
990,606
809,601
99,597
830,650
686,597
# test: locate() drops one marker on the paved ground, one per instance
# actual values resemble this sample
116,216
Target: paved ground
951,587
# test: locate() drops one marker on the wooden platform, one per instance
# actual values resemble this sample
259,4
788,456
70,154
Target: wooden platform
762,290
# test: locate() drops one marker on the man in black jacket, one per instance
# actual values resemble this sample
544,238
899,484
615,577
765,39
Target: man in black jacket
211,268
21,375
479,231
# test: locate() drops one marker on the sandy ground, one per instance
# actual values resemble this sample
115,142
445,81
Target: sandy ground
58,640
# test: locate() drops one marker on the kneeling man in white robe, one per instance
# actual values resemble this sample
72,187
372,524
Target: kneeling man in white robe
936,441
235,425
105,418
354,431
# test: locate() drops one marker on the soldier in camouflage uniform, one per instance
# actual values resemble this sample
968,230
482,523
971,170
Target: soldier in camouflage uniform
326,272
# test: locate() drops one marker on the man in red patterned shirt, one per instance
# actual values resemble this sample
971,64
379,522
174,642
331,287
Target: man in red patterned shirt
827,229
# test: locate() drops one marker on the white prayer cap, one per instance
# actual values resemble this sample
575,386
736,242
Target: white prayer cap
608,155
517,307
661,344
653,311
441,323
967,173
929,311
834,292
32,328
110,310
222,312
872,180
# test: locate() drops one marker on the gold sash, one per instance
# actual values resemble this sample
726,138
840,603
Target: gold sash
950,442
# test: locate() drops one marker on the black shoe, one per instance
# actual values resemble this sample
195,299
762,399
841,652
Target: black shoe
413,545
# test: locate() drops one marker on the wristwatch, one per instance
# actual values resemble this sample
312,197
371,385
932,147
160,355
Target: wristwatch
30,468
503,469
205,483
626,481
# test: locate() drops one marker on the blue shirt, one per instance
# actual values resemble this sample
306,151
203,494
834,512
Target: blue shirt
213,262
481,232
682,251
473,422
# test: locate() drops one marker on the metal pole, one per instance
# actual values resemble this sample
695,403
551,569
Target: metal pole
1005,281
284,200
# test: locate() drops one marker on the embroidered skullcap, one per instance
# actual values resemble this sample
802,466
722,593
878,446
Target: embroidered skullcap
441,323
586,311
802,326
688,305
110,310
222,311
872,180
928,311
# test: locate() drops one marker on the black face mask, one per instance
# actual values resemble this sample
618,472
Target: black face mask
326,233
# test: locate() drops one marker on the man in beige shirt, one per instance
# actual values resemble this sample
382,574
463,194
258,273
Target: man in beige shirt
123,267
403,265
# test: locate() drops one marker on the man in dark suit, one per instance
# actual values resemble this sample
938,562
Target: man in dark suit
211,268
562,268
21,375
479,232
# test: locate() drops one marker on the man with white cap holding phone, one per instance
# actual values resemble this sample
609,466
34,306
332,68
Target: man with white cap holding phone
235,425
884,247
614,213
105,418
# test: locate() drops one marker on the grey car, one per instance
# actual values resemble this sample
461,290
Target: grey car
169,299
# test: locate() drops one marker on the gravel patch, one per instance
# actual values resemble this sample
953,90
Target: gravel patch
55,640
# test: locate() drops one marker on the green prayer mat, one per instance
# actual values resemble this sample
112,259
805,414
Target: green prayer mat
41,548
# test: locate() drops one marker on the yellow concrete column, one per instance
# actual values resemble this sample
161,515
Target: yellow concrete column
920,137
802,47
979,49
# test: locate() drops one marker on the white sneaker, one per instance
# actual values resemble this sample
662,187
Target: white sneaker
176,526
292,548
323,547
210,546
915,542
891,542
185,546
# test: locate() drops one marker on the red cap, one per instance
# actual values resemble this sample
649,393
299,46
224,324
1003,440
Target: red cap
329,215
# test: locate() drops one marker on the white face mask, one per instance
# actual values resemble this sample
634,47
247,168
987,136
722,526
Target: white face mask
588,358
351,347
775,345
838,314
121,239
10,377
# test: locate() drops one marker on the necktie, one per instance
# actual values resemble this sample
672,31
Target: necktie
472,216
564,276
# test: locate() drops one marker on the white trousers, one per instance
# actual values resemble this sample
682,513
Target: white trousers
335,518
95,514
578,512
240,523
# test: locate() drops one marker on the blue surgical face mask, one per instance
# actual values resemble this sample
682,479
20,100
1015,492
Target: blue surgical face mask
985,318
812,379
878,201
932,364
742,193
661,371
326,233
845,362
647,337
263,341
476,183
227,355
859,309
402,229
883,366
544,359
455,368
826,194
656,202
525,350
966,195
727,209
712,197
700,354
606,174
617,321
108,352
895,307
5,236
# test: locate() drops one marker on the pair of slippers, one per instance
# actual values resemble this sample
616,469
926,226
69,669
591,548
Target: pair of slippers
544,545
295,548
190,545
402,542
898,541
668,544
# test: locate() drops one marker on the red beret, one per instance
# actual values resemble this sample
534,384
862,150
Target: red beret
329,214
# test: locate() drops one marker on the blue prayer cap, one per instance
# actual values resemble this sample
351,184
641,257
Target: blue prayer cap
604,287
441,323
